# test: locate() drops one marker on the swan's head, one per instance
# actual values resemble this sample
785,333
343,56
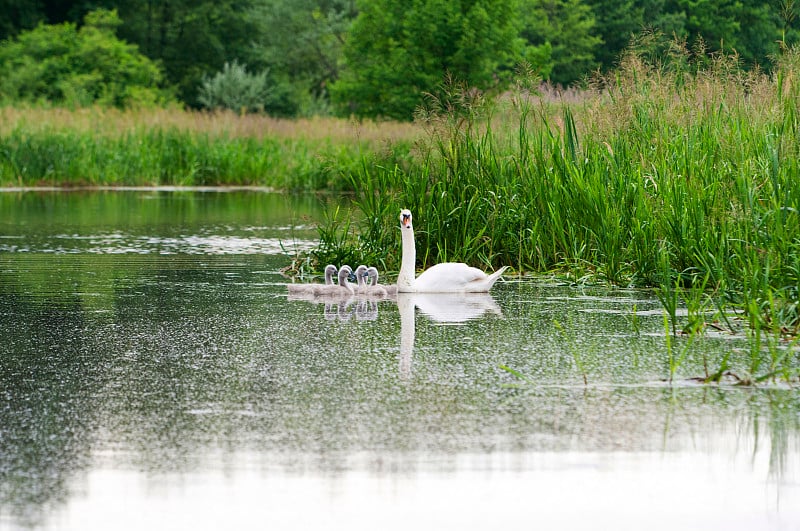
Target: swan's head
330,270
372,272
361,272
345,274
405,218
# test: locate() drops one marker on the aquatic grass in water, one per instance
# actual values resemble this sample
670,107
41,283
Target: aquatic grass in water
574,349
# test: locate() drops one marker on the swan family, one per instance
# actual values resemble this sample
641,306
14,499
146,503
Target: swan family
448,277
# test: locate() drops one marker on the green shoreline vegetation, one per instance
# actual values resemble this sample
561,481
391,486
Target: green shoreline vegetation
150,147
678,176
681,176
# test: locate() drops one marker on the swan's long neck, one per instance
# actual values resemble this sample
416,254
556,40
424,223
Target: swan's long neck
343,274
405,279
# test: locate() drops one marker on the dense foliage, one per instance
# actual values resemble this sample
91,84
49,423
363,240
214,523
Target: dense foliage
302,46
380,58
190,38
397,51
62,64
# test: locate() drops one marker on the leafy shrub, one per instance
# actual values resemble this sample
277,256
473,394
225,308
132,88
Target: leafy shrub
235,89
60,64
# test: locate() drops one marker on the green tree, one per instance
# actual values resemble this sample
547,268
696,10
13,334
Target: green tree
399,51
715,22
759,32
661,16
61,64
751,28
18,15
616,22
789,23
567,27
301,43
190,38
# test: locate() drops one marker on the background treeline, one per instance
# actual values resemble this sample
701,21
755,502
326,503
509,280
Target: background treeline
371,58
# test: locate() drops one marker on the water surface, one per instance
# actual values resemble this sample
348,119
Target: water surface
154,374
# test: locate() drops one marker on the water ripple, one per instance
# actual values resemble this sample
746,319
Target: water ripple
119,243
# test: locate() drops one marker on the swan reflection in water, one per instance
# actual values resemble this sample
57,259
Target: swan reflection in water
342,307
358,308
443,308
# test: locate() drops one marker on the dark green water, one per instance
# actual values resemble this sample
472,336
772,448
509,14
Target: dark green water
154,374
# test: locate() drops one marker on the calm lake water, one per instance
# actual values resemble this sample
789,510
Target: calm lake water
155,375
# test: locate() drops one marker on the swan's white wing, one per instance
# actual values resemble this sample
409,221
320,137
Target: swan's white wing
448,277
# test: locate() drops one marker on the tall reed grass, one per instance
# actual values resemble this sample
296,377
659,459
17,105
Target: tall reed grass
156,147
660,175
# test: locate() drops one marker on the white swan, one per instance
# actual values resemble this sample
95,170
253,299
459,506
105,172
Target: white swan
342,289
297,289
449,277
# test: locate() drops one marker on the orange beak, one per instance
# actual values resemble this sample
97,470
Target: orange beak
406,221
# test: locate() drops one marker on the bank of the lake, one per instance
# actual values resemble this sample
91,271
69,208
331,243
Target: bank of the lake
108,147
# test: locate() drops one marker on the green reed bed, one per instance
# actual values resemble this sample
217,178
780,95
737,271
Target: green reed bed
677,179
171,157
60,153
